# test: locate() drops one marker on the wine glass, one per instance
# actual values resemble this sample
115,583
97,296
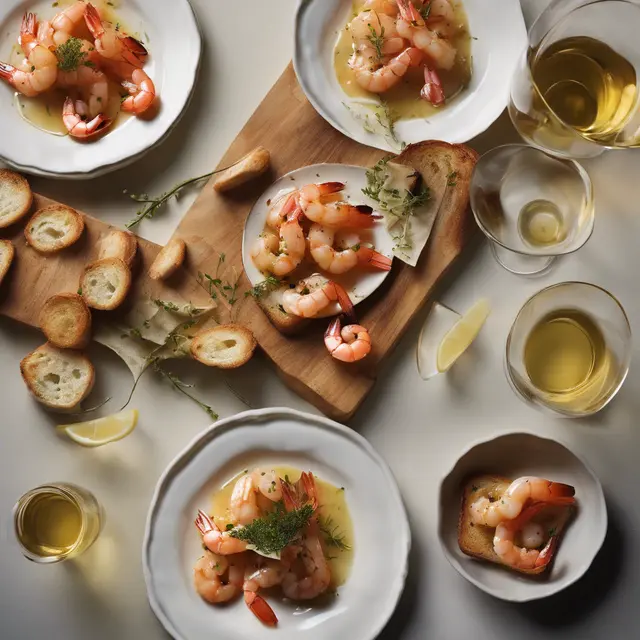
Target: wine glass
532,206
575,89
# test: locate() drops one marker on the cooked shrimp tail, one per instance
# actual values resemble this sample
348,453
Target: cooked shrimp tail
73,114
219,542
312,199
369,257
28,38
142,93
347,344
432,90
260,608
300,493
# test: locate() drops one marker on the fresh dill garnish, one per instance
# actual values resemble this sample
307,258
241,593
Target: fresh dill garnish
152,205
400,206
333,537
276,530
376,39
270,283
425,10
70,54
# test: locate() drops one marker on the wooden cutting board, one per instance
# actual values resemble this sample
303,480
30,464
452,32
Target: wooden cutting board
287,125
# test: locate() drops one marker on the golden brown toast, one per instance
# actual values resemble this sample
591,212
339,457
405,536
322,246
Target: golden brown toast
477,540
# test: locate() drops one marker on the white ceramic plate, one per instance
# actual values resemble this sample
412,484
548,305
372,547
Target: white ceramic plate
172,68
270,436
525,454
501,38
360,283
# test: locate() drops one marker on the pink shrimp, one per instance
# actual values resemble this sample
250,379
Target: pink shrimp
74,114
347,344
262,573
220,542
313,295
112,43
380,76
432,90
142,91
217,578
336,261
312,199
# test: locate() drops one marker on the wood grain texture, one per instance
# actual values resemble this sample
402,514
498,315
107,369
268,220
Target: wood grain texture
287,125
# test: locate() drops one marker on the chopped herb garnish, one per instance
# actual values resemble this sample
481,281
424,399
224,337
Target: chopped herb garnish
70,54
333,537
79,291
276,530
229,527
269,284
167,306
425,10
376,39
552,532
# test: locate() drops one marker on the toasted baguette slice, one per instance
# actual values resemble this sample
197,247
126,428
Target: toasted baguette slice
227,347
59,379
105,284
7,253
65,320
168,260
271,304
15,197
119,244
254,164
54,228
477,540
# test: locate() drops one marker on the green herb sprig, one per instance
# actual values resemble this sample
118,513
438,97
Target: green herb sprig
269,284
215,286
70,55
333,537
279,528
376,39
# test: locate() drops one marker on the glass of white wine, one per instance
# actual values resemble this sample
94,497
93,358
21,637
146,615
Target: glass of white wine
575,90
532,206
57,521
569,349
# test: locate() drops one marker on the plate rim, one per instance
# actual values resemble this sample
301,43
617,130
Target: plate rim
257,416
104,169
512,597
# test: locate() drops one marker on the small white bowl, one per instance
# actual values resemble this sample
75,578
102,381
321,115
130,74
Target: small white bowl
173,69
525,454
359,283
268,437
500,37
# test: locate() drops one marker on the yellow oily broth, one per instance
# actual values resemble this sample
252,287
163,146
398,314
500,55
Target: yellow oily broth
45,111
332,505
404,99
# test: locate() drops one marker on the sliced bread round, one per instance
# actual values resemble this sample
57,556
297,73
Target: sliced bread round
54,228
15,197
227,347
119,244
7,253
168,260
65,320
105,284
59,379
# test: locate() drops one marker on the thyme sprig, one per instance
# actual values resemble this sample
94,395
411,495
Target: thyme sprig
333,537
153,205
376,39
215,286
269,284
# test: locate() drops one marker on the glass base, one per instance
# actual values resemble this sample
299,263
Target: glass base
519,263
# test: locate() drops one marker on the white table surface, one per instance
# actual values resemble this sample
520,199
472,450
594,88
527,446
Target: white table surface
420,428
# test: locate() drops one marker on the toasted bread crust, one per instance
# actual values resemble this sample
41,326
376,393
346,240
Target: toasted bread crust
254,164
65,320
476,541
119,244
7,254
16,195
29,371
168,260
74,227
285,323
112,265
242,351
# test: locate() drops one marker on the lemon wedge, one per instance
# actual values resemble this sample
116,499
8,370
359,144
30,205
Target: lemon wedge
95,433
462,334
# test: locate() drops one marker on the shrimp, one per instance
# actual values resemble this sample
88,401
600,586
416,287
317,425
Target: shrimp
312,200
282,256
521,557
441,18
386,7
220,542
68,19
262,573
280,209
411,26
388,74
369,26
526,488
112,43
347,344
142,91
244,498
300,493
432,90
74,114
217,578
43,64
313,295
321,244
94,85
